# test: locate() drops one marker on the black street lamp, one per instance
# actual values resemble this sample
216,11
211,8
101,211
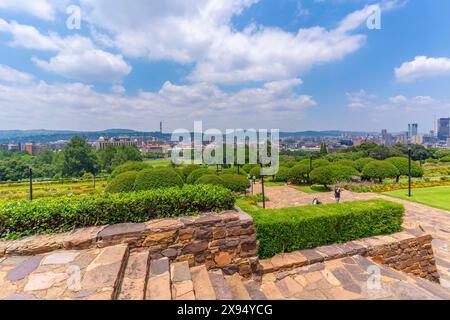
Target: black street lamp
30,167
409,170
263,191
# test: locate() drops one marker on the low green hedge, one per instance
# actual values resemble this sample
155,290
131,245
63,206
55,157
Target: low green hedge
298,228
130,166
157,178
64,214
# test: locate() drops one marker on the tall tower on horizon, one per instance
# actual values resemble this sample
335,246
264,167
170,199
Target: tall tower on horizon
161,127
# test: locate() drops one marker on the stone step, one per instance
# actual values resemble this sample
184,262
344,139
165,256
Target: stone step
135,276
237,288
159,282
182,285
220,285
254,290
203,287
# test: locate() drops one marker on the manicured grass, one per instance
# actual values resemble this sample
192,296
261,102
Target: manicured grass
312,189
438,197
298,228
158,162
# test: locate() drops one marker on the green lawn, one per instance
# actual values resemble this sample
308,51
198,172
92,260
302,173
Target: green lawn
158,162
438,197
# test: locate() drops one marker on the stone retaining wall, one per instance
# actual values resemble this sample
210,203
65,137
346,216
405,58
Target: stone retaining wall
224,241
409,251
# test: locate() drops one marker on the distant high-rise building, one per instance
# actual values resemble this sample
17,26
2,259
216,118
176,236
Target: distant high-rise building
387,138
161,127
413,130
444,129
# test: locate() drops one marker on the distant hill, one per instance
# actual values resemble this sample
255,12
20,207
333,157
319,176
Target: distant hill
43,136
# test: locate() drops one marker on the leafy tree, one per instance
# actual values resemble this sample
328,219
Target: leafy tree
299,174
402,165
112,156
361,163
380,170
78,157
380,152
282,175
333,173
323,148
441,154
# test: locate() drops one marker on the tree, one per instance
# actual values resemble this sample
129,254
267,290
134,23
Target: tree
323,148
112,156
380,170
333,173
380,152
299,174
361,163
78,158
402,165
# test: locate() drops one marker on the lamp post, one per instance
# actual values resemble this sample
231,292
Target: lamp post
30,167
409,170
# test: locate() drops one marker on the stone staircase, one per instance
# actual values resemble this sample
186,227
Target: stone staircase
163,280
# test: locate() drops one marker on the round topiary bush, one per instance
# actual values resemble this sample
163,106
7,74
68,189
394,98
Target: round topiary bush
124,182
248,167
197,174
235,182
327,175
299,174
130,166
380,170
187,170
361,163
210,179
402,164
282,174
255,172
157,179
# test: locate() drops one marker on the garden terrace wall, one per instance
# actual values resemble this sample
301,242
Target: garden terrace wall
408,251
224,241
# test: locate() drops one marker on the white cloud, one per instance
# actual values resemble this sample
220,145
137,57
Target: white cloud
81,107
360,100
77,57
422,67
11,75
43,9
200,33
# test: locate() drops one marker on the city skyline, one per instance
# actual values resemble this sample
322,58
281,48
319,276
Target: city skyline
289,65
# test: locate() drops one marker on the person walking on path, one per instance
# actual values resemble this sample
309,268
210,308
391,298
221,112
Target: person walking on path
337,194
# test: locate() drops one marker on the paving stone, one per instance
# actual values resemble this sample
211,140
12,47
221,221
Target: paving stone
21,297
254,291
288,287
43,281
203,287
158,287
313,256
220,285
271,291
237,288
133,283
159,267
180,272
24,269
60,258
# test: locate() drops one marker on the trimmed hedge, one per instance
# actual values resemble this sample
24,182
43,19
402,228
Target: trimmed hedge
130,166
299,228
235,182
197,174
64,214
157,179
124,182
210,179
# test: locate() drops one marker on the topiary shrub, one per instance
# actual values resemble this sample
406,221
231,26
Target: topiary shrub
124,182
197,174
380,170
210,179
282,174
157,179
130,166
235,182
330,174
187,170
445,159
361,163
180,173
402,165
234,170
248,167
299,174
345,162
255,172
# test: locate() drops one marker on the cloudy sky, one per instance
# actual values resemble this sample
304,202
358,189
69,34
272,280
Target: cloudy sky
289,64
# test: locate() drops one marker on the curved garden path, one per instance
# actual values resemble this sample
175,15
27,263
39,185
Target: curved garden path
433,221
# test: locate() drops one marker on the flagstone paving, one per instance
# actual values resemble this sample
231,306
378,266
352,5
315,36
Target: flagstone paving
435,222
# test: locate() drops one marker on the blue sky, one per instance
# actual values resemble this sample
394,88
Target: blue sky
293,65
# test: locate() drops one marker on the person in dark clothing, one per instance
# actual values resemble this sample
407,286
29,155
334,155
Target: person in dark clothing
337,194
316,201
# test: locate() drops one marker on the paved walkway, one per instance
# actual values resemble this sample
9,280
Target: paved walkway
433,221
